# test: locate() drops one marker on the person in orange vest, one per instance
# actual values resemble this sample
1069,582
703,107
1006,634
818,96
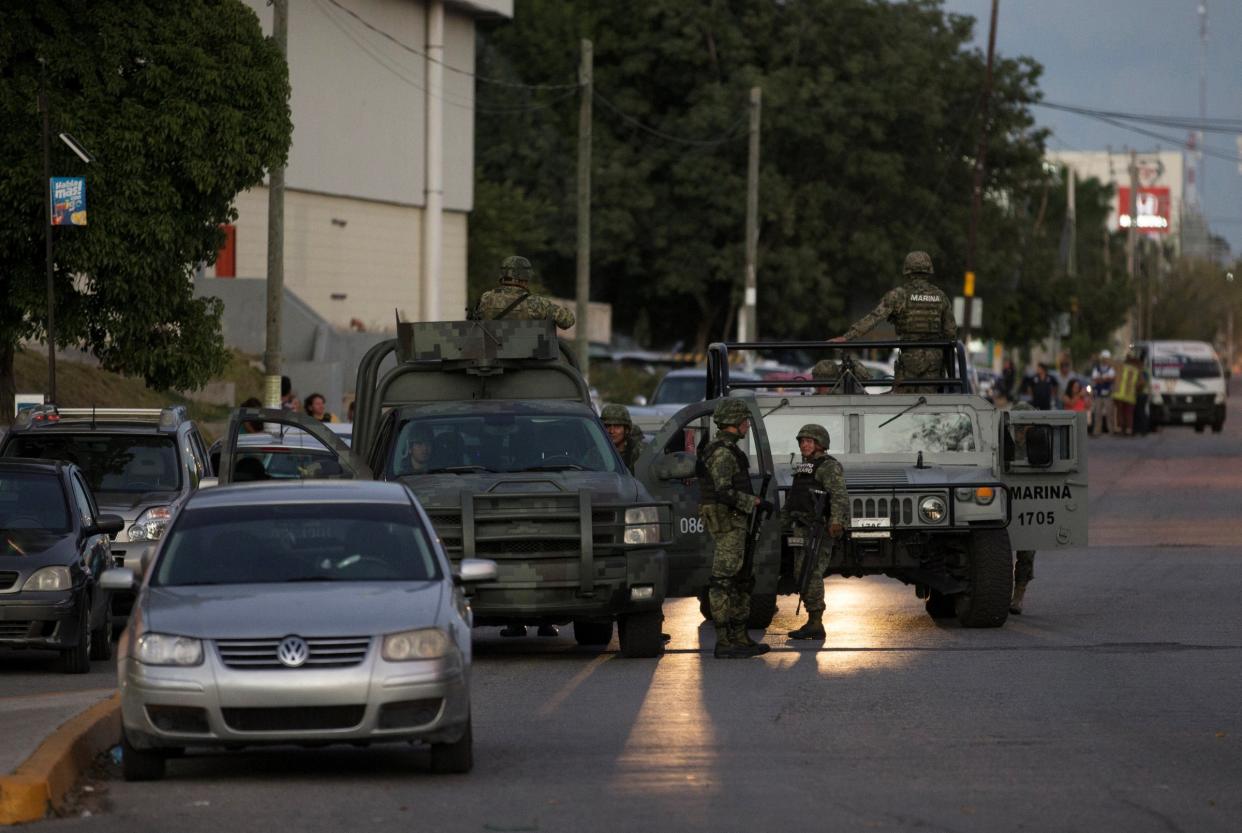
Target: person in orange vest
1126,392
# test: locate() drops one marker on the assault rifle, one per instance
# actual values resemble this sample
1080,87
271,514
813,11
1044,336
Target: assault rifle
752,534
810,547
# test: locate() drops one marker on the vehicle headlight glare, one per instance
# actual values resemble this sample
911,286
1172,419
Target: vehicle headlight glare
166,649
424,643
642,525
49,579
932,509
151,524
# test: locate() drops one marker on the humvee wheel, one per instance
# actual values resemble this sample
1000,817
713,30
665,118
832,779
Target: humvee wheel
1199,426
640,634
1217,427
762,609
986,604
940,606
593,634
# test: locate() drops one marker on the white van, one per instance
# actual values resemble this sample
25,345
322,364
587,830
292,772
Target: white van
1187,383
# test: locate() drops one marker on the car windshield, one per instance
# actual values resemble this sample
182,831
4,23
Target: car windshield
277,543
284,464
914,431
501,443
1166,366
110,462
782,427
680,390
32,501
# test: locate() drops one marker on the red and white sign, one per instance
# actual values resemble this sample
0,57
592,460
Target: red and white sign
1154,209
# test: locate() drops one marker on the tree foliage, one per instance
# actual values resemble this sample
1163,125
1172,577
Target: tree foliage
183,107
869,122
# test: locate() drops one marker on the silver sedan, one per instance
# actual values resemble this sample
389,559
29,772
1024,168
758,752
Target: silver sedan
304,612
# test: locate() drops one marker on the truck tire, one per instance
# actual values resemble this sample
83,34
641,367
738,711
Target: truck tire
639,634
940,606
455,758
762,609
101,638
77,660
986,604
593,634
1199,426
1217,427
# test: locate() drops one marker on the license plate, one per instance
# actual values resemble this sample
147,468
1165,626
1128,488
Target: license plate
1189,416
870,523
795,542
870,533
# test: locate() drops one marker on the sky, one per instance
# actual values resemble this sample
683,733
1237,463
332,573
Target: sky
1139,56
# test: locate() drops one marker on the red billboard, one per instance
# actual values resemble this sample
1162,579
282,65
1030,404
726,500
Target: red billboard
1154,209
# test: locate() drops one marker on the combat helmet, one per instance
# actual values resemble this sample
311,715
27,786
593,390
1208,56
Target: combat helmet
515,270
917,263
730,412
826,369
616,415
1022,406
818,433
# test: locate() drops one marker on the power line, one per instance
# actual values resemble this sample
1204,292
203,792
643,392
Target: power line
1215,153
1187,122
734,131
415,51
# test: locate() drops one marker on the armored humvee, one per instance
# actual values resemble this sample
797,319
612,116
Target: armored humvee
490,424
942,486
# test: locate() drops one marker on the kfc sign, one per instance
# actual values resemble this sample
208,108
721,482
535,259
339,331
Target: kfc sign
1153,212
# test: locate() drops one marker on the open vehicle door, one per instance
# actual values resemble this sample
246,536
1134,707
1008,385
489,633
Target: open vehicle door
667,469
1044,467
290,446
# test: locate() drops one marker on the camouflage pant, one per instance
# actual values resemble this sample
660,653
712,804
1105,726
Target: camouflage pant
814,598
917,364
1024,566
729,591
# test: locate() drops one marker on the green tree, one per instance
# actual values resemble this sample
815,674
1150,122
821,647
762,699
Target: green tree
870,112
183,108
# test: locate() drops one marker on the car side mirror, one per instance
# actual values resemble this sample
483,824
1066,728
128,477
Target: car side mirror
475,571
118,578
111,525
208,482
679,465
1039,446
640,400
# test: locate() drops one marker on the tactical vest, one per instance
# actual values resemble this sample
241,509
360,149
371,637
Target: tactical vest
922,312
801,499
741,477
1126,390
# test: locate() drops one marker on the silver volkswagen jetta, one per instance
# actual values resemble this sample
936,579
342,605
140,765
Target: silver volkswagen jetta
301,612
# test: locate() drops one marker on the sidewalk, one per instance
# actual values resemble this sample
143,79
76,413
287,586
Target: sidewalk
27,719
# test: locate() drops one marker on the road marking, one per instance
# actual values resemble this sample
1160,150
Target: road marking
569,687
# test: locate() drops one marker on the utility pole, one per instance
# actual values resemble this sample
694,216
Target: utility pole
44,107
1202,105
1071,217
747,316
1132,244
976,196
433,204
585,92
275,237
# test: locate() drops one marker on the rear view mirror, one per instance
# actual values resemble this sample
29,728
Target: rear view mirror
1039,446
640,400
118,578
111,525
476,570
679,465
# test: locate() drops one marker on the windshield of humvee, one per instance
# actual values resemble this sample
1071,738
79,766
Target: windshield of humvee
501,443
914,432
782,426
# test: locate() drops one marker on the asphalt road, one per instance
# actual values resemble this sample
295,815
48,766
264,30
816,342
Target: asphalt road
1113,704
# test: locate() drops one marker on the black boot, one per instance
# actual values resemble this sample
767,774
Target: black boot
548,630
813,629
743,639
513,630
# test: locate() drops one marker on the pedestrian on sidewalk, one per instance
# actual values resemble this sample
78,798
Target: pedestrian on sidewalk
1125,394
1103,375
1041,388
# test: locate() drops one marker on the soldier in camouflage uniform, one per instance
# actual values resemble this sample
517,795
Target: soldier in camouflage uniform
513,301
817,471
625,438
830,372
1024,560
727,504
920,311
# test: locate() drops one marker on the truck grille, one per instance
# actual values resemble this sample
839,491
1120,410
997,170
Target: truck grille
520,526
14,630
295,719
1195,400
325,652
7,579
898,510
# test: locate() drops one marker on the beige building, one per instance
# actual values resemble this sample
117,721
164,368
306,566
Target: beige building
1161,177
379,183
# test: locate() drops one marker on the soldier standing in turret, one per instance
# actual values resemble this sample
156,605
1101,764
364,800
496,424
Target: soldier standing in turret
920,311
727,503
514,302
628,442
817,471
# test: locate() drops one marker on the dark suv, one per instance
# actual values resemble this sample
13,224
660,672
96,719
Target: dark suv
53,547
140,463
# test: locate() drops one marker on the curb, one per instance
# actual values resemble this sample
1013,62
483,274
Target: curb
43,779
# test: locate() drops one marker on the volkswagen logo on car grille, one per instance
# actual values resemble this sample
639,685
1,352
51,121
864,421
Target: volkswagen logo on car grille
293,651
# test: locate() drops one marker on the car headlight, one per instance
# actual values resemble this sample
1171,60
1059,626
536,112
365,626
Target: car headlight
642,525
165,649
48,579
964,494
1219,398
151,524
932,509
424,643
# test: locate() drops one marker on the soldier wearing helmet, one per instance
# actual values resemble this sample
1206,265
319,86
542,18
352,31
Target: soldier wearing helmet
817,472
920,311
513,301
837,376
728,500
625,439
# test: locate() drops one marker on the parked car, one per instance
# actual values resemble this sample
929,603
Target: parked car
284,454
677,389
140,463
55,545
308,612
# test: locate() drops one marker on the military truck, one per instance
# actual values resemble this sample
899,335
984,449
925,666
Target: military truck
942,486
490,424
